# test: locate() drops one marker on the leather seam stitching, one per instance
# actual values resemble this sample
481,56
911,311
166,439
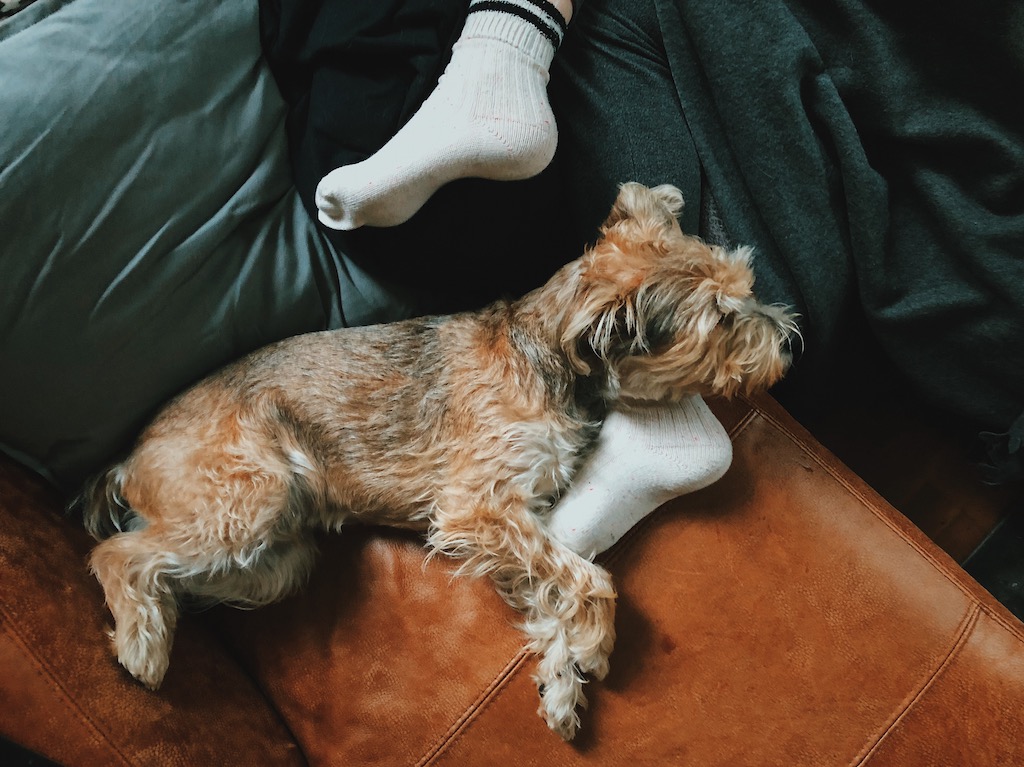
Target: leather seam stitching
967,627
744,422
41,668
473,711
873,507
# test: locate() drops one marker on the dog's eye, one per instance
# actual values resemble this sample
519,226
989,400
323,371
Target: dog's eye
726,321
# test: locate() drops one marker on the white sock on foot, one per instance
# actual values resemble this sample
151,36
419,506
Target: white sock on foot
644,457
488,117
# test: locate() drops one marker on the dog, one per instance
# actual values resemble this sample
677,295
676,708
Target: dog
466,427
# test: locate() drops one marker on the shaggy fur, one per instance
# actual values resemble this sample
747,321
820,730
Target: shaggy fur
466,427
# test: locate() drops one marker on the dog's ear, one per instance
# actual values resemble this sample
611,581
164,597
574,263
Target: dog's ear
595,311
606,317
731,278
650,210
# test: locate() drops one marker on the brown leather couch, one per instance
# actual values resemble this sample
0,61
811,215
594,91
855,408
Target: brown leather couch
784,616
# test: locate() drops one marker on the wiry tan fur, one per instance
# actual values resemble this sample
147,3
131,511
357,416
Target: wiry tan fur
466,427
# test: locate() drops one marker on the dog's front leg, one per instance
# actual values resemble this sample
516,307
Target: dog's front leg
568,602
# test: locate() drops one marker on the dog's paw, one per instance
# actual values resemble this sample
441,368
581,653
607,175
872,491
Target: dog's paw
560,697
591,638
595,664
590,648
144,659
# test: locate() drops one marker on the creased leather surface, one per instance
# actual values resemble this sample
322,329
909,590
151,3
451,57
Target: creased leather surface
63,694
972,712
381,655
784,616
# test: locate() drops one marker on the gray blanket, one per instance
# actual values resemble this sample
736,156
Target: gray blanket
872,152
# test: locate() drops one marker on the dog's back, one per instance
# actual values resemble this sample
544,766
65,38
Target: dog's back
372,422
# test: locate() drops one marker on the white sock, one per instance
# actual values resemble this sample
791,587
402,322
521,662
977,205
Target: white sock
644,457
488,117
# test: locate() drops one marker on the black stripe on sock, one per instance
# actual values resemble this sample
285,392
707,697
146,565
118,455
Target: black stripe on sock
505,7
553,12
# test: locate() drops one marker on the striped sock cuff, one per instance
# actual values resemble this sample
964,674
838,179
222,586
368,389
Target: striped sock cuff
540,13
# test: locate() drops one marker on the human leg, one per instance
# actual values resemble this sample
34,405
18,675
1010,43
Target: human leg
489,117
614,98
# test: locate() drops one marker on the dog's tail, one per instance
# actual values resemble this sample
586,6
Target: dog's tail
104,510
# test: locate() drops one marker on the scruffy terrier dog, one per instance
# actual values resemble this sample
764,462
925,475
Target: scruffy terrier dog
466,427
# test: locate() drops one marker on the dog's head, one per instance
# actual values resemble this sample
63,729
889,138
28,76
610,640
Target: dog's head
663,314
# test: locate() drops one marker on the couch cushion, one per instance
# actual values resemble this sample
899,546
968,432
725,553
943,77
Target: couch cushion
784,616
151,229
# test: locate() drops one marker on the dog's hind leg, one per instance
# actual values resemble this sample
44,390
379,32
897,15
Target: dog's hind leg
282,565
568,602
136,573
